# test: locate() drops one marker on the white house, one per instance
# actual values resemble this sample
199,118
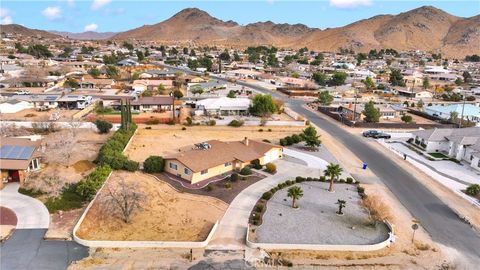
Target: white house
470,112
461,143
223,106
14,105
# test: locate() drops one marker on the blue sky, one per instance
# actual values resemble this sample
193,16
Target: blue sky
120,15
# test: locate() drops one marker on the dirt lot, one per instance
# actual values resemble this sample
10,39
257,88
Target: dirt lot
163,140
34,115
167,215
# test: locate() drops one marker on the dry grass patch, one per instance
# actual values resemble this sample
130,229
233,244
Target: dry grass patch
165,140
166,214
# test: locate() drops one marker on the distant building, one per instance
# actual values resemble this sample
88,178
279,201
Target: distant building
223,106
470,112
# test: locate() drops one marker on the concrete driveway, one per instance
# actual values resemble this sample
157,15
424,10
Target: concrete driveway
31,213
232,229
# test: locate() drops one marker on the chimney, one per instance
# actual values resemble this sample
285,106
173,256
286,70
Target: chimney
245,141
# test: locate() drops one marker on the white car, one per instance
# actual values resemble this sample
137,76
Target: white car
22,92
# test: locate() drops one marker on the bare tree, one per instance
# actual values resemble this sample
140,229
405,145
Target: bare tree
61,150
74,125
124,198
50,182
12,130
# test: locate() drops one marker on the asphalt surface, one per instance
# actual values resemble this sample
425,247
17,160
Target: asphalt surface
439,220
26,250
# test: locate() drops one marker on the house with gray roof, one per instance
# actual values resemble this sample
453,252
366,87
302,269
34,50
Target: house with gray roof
460,143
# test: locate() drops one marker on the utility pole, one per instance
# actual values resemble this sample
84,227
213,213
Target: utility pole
463,109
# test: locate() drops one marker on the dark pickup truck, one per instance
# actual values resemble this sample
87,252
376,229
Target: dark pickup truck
376,134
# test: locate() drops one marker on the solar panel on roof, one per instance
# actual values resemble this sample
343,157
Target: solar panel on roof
50,98
16,152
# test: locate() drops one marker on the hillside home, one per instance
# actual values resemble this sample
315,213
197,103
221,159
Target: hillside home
143,85
214,158
223,106
155,104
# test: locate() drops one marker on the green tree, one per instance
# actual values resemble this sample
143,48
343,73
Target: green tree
94,72
177,94
161,89
341,205
473,190
185,50
396,78
467,77
103,126
453,117
333,171
262,105
231,94
310,137
71,83
224,56
338,78
372,114
112,72
420,104
369,84
140,56
425,83
320,78
406,118
458,81
128,46
325,98
295,193
236,57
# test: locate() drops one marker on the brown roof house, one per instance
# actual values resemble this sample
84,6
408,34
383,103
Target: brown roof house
212,158
18,156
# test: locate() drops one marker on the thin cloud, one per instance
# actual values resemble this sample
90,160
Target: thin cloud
350,3
90,27
5,16
97,4
52,13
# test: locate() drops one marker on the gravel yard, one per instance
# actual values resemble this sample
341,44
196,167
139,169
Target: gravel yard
316,221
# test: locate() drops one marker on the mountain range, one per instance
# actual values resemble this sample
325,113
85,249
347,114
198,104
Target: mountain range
87,35
425,28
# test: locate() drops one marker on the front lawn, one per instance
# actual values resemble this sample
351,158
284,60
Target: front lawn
438,155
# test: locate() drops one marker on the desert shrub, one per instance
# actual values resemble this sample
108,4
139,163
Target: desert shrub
209,188
269,130
341,180
234,177
130,165
246,171
300,179
259,208
323,178
236,123
228,185
283,142
473,190
360,190
184,128
211,123
377,209
188,121
267,141
154,164
170,122
267,195
103,126
68,199
289,140
349,180
271,168
260,130
256,164
153,121
410,140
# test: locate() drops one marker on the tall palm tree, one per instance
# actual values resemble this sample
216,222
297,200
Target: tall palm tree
295,193
341,205
334,171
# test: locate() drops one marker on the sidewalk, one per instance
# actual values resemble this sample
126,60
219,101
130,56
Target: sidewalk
448,173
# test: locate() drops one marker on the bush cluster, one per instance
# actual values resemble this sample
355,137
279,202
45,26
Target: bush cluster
234,177
256,164
473,190
290,140
154,164
88,187
246,171
236,123
103,126
271,168
111,153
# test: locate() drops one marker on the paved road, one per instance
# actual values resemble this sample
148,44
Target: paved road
26,250
436,217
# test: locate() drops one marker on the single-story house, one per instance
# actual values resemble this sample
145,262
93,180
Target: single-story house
155,103
158,74
143,85
92,83
213,158
470,111
127,63
414,93
74,101
208,86
243,74
386,111
39,101
460,143
14,105
223,106
18,156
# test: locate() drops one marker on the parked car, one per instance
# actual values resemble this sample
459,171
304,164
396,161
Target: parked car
376,134
22,92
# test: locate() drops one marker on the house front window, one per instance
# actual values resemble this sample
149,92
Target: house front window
187,171
204,172
173,166
228,164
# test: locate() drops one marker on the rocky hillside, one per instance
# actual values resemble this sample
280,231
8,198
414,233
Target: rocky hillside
425,28
88,35
24,31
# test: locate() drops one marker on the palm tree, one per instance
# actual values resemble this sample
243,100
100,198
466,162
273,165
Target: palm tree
341,205
295,193
334,171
